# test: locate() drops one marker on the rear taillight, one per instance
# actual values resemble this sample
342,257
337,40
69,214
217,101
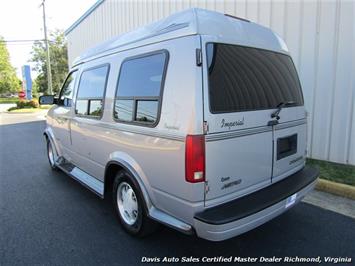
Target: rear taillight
195,158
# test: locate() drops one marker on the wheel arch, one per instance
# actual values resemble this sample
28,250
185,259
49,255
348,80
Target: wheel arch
122,161
48,134
112,167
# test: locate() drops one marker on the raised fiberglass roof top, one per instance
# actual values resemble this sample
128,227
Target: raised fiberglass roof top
190,22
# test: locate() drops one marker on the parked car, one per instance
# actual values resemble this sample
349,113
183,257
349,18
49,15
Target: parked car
196,121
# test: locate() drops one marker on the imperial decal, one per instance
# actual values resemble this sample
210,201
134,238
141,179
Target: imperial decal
171,126
230,184
232,124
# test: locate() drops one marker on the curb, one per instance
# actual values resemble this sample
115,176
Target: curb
34,112
342,190
16,113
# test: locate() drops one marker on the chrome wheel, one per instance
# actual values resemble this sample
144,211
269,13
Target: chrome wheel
51,154
127,203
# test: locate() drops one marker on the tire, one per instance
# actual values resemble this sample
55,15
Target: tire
51,156
129,206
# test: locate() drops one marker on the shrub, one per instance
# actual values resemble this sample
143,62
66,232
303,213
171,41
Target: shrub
33,103
21,104
27,104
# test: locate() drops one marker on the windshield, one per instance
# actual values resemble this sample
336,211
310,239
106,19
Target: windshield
245,79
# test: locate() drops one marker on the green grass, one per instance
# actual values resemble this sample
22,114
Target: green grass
336,172
45,106
9,100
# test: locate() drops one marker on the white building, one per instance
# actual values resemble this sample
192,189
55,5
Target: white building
320,36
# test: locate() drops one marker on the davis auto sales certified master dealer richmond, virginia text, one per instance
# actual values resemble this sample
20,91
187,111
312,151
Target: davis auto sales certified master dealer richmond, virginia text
232,259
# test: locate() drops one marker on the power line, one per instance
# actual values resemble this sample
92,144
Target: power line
21,41
19,44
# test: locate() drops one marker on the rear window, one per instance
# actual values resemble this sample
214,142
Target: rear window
245,79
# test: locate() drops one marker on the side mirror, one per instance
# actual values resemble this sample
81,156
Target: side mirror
47,99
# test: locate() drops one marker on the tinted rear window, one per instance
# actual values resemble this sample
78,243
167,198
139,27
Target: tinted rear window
245,79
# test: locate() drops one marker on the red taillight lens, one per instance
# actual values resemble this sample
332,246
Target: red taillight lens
195,158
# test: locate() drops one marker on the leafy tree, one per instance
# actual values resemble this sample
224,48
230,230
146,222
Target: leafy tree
8,79
58,58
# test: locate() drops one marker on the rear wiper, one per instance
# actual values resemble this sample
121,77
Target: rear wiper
279,108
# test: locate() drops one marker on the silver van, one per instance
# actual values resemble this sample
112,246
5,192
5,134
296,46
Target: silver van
196,121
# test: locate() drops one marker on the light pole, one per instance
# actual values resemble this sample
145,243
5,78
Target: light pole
49,74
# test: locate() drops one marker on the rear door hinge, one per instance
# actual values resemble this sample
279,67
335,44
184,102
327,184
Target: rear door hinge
207,188
198,57
205,127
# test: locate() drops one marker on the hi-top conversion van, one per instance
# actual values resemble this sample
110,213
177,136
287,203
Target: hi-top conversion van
196,121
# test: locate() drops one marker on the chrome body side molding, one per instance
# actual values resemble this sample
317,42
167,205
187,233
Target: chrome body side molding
291,124
252,131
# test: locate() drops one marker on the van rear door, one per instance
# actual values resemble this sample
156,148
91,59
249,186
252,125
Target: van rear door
242,88
290,141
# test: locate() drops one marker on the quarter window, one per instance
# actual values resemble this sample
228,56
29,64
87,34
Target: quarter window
124,110
91,92
66,94
139,89
147,111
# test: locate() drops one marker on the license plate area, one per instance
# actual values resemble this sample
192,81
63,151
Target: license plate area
286,146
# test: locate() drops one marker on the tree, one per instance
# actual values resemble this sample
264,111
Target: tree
8,79
59,62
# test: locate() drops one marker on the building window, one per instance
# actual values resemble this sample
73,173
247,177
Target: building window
91,92
138,95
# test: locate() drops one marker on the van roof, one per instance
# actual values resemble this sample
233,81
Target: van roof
190,22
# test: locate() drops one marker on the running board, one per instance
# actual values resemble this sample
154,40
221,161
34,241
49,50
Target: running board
82,177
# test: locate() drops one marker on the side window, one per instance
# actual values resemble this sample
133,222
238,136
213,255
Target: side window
91,92
66,94
139,88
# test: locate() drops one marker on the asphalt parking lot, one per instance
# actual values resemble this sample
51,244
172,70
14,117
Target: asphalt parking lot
48,218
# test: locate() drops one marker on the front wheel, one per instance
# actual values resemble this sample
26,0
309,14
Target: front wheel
51,155
129,206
